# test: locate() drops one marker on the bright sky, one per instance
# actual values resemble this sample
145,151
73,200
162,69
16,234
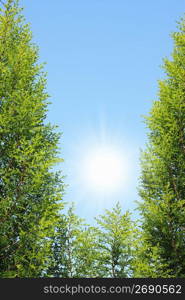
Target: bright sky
103,62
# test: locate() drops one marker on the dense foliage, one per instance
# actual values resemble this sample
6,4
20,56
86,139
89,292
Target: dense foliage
37,236
29,190
163,171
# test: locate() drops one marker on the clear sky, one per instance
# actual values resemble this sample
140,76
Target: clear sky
103,62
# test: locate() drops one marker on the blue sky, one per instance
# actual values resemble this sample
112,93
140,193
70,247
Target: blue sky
103,62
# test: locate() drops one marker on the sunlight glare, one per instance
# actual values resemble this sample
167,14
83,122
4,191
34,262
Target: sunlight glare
105,169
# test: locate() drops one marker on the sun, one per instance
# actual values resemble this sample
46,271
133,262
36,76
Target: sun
105,169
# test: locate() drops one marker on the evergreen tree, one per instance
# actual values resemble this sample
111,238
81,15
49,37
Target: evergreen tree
30,192
73,227
63,250
74,248
57,266
87,255
163,170
115,237
147,261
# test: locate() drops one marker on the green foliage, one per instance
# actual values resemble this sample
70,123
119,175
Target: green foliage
73,248
80,250
87,254
147,261
115,243
163,168
30,192
36,238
